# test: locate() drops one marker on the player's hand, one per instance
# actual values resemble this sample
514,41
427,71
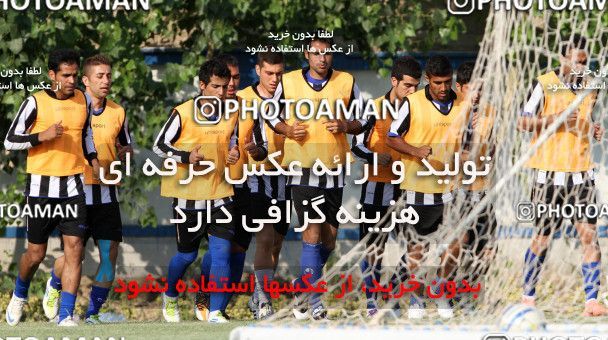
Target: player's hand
195,157
253,150
572,121
336,125
384,159
475,120
423,151
598,131
233,155
297,131
54,131
122,150
95,165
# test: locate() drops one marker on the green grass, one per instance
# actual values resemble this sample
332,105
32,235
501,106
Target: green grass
130,331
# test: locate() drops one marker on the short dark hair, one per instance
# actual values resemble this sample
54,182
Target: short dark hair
464,72
577,41
439,65
98,59
228,59
61,56
212,68
271,58
327,40
406,66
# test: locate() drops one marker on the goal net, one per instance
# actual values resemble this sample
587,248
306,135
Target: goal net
517,48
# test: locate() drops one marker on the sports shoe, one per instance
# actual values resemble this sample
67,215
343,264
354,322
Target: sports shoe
93,320
170,309
50,302
14,310
416,311
319,313
444,309
217,317
201,306
371,312
68,322
265,310
253,306
300,310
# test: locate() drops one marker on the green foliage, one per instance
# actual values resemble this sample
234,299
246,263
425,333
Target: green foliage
201,28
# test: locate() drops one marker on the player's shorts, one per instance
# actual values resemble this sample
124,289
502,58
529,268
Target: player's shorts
430,217
39,228
332,202
242,207
482,230
377,238
189,241
260,204
104,222
575,192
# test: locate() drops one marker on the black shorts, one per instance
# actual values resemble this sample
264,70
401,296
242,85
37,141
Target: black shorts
377,238
189,241
260,204
104,222
482,230
430,217
332,197
557,196
242,206
39,228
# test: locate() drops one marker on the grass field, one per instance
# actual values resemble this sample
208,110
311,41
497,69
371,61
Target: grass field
128,331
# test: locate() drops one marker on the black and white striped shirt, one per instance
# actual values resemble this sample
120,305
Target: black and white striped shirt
102,193
272,186
308,178
168,135
372,192
379,194
560,178
20,138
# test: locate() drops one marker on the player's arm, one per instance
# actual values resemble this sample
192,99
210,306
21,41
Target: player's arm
297,131
168,136
233,153
18,136
399,128
530,120
351,126
88,145
123,140
360,141
258,146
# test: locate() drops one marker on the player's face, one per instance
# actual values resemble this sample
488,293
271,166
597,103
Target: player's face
468,88
98,80
235,80
406,86
217,87
319,60
440,86
65,78
577,60
270,75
